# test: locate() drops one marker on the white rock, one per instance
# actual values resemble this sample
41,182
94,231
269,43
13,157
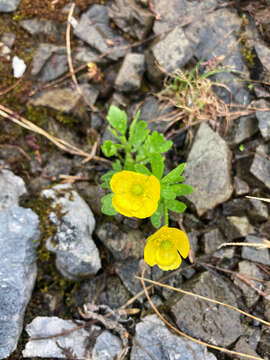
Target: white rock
18,66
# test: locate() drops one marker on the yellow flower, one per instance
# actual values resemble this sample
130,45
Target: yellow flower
135,194
163,248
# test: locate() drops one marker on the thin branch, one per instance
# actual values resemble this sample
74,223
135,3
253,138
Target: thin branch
187,336
205,299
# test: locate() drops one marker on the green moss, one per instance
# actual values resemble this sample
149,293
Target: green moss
248,54
49,279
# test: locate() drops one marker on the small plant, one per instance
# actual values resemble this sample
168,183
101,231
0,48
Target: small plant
139,189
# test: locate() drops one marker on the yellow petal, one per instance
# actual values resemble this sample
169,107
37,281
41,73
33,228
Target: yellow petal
121,181
148,207
149,253
152,188
180,240
118,207
173,266
167,257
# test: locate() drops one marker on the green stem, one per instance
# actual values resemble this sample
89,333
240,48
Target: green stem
166,216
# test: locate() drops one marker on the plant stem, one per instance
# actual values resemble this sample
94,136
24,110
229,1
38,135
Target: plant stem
166,216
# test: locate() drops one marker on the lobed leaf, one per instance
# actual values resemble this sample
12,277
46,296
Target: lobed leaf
182,189
117,119
107,206
139,134
106,178
142,169
175,205
157,164
157,216
167,192
174,175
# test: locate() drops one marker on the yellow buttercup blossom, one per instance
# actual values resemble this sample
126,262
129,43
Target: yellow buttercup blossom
134,194
163,248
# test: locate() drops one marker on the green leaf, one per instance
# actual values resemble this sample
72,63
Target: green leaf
157,216
117,165
175,205
174,175
157,164
142,169
117,119
167,192
143,153
139,134
182,189
106,178
158,143
107,206
109,148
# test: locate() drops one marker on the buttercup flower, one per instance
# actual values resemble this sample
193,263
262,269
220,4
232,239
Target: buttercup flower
135,194
163,248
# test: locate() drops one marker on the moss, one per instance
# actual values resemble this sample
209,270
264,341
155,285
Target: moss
48,278
248,54
42,9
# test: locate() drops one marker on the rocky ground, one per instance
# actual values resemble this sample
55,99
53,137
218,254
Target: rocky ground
58,252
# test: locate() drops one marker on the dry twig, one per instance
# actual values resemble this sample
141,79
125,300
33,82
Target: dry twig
219,348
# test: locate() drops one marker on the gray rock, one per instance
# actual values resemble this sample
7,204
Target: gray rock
59,99
19,232
130,74
86,55
4,51
191,222
208,170
266,301
107,347
240,186
258,210
121,244
65,100
50,62
8,39
247,268
37,26
236,207
253,254
263,53
263,118
242,129
236,226
206,35
174,281
211,240
127,270
169,53
46,326
153,338
207,321
193,240
76,252
94,28
152,111
177,12
12,187
8,5
243,347
207,32
131,18
260,166
115,295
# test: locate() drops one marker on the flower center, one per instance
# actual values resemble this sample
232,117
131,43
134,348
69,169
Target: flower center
166,245
136,189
